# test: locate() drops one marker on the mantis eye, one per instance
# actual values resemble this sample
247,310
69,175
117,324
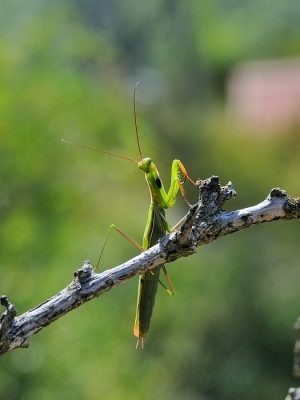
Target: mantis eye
158,182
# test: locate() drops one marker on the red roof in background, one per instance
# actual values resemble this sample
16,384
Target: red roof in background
265,95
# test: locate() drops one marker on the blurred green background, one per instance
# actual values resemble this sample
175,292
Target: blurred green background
68,70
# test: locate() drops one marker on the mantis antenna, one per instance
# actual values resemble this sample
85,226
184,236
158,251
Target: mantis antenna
135,122
114,154
100,151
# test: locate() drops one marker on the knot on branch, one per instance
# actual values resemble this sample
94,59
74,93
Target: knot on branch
212,197
292,207
6,321
276,192
84,273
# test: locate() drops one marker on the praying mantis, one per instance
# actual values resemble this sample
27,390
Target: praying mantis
156,227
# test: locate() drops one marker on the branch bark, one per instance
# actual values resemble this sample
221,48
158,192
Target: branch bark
206,221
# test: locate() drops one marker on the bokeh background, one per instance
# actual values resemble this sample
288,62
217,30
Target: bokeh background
68,70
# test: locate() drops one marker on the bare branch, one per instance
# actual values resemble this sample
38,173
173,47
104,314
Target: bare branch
206,221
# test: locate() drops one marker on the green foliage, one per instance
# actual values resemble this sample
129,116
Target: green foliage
227,334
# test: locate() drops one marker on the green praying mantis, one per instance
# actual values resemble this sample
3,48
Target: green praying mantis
156,227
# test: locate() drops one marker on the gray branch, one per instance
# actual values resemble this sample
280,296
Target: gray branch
206,221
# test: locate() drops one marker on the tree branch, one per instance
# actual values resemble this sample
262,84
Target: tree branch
206,221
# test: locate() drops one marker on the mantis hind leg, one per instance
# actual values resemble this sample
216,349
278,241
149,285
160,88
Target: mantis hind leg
171,291
113,226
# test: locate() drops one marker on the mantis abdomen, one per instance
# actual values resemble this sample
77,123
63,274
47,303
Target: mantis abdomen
148,281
